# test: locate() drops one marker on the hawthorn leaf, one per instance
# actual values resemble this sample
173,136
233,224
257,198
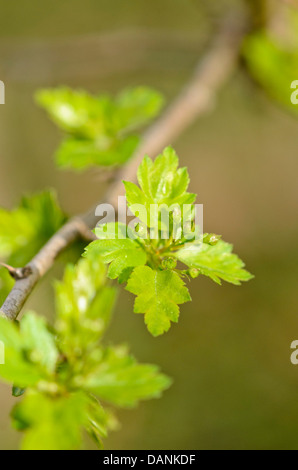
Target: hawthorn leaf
100,421
79,154
84,304
24,230
120,253
125,275
217,261
6,284
266,57
161,183
120,380
97,126
51,423
97,421
39,341
17,368
136,107
76,111
89,116
158,295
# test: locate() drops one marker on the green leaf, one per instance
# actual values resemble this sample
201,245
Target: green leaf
6,284
120,380
136,107
217,262
98,125
9,334
76,111
30,351
84,115
120,253
51,423
158,295
27,228
80,154
84,304
273,64
39,341
161,182
17,368
16,231
99,421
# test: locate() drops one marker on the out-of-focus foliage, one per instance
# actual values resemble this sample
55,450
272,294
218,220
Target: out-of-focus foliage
65,366
51,424
272,59
100,129
25,229
147,259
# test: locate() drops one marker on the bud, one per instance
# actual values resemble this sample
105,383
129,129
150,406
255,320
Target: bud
17,391
169,263
211,238
193,272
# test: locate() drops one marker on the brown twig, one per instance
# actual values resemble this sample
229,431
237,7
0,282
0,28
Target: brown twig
17,273
196,99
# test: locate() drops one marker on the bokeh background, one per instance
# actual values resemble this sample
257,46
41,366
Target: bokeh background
234,385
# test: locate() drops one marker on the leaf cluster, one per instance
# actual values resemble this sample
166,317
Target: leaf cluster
272,59
66,370
100,130
141,255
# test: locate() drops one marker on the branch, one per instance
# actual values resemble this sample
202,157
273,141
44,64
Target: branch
196,99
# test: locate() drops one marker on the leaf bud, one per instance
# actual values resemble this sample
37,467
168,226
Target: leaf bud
169,263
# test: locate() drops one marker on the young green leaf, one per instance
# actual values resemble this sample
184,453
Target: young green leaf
120,251
149,264
120,380
51,423
266,57
79,154
136,107
6,284
158,295
27,228
17,367
61,369
99,421
39,341
161,182
217,261
84,304
76,111
98,125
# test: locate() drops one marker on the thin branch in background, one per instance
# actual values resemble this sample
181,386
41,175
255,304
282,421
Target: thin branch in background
195,100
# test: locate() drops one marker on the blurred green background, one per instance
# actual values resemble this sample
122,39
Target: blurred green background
234,386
